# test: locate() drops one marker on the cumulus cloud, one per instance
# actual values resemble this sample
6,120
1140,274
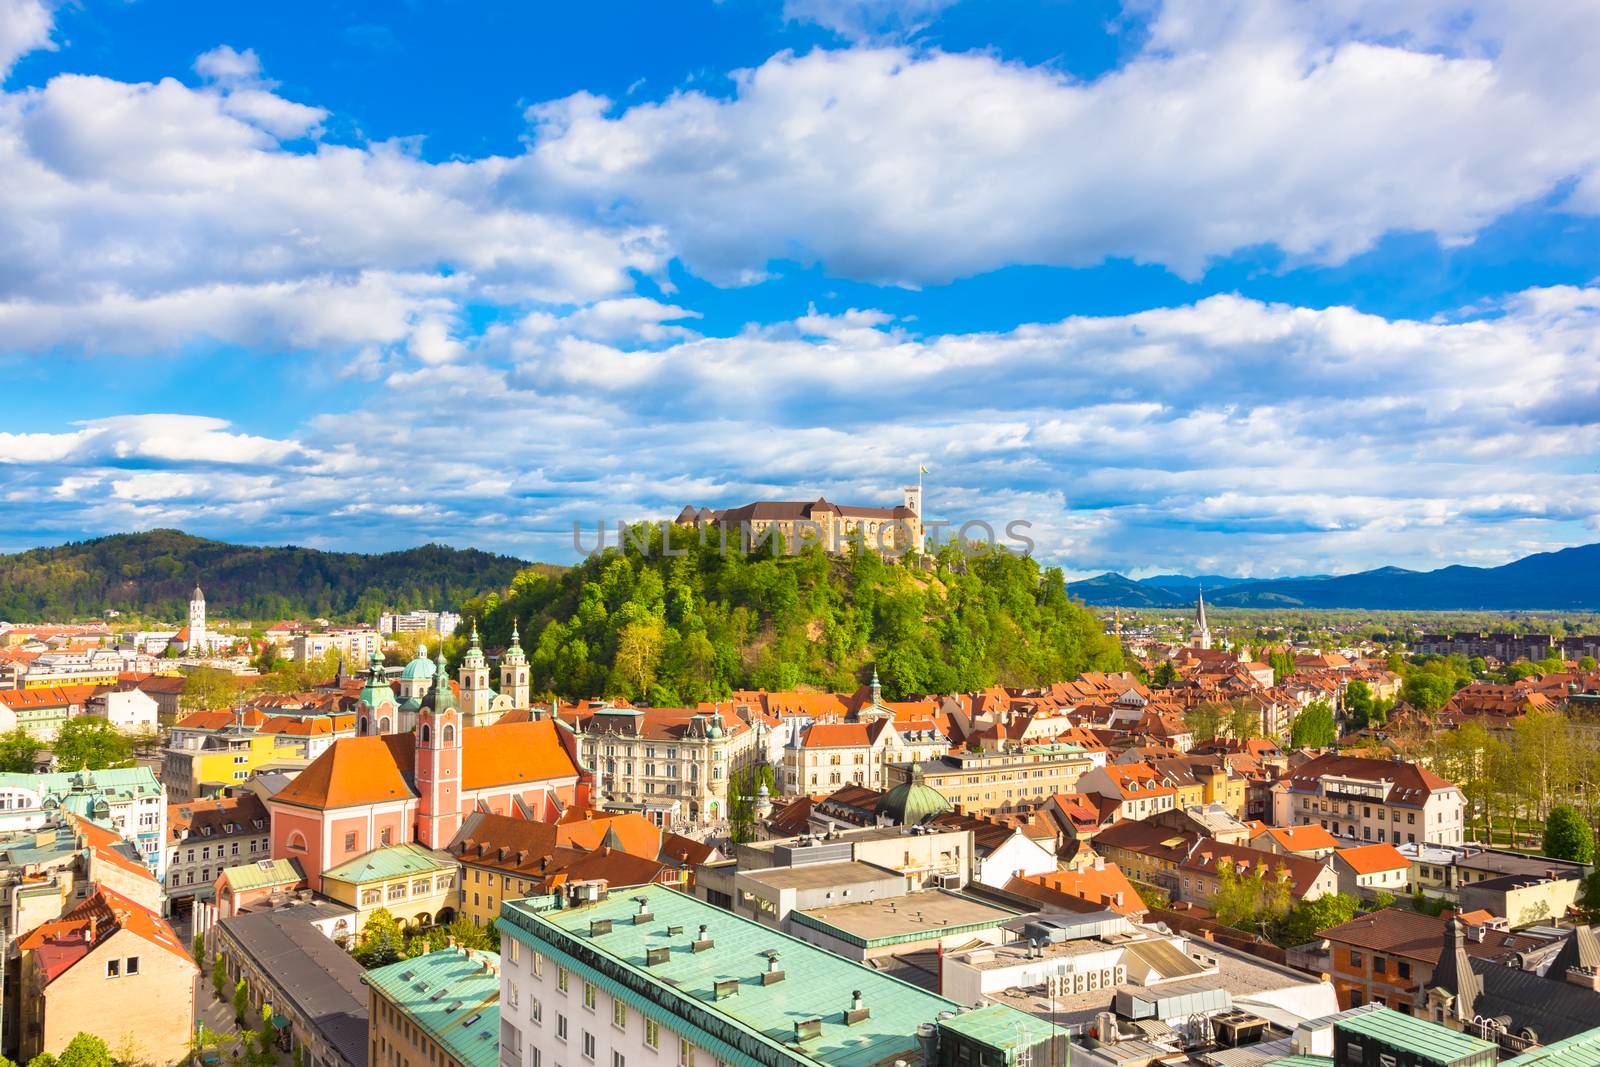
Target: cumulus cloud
1313,128
864,20
1229,434
24,27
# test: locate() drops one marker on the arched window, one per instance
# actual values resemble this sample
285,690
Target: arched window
362,726
297,841
449,733
383,725
427,733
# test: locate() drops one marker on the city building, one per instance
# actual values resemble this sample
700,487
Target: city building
414,884
1366,800
1365,871
823,756
41,711
635,977
441,1009
255,886
317,990
206,836
981,783
931,920
670,764
1199,873
1307,840
1524,899
130,711
922,854
210,752
129,800
1093,886
443,623
792,524
355,644
1136,790
418,787
111,968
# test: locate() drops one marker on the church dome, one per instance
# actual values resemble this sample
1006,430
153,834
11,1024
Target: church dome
419,669
914,802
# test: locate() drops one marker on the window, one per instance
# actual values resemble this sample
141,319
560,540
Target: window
619,1013
1403,968
350,841
588,996
1355,959
561,979
588,1045
685,1053
561,1027
617,1059
113,968
1380,965
386,837
538,965
652,1033
536,1010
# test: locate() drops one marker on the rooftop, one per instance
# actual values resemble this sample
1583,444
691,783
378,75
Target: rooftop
820,875
453,995
1435,1042
1580,1051
752,1020
262,874
395,861
913,917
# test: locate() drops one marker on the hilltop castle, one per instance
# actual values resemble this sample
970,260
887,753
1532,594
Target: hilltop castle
893,530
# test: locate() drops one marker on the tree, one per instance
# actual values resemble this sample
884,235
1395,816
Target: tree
1588,664
1426,691
1567,835
197,949
1244,720
1358,703
241,1001
89,742
85,1050
744,787
1205,720
208,689
19,751
1300,926
219,977
1165,674
380,942
1314,727
43,1059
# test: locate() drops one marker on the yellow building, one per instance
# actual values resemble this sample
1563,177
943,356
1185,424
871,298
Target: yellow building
983,782
415,884
203,758
410,1023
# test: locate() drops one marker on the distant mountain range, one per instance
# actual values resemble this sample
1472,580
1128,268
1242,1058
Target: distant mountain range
1567,580
152,574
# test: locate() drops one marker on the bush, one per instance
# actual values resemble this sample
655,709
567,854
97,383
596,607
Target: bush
1568,836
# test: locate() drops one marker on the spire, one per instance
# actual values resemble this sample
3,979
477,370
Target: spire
877,690
1200,611
474,656
514,654
439,697
1454,973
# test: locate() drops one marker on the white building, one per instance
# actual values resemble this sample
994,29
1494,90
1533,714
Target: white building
356,644
443,623
131,711
1366,801
130,800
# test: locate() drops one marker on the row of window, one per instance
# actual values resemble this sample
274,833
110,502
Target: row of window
420,887
205,852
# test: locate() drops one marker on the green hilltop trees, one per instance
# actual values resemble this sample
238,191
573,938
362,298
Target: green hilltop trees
637,624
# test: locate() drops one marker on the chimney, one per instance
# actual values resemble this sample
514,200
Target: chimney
858,1011
773,974
1099,863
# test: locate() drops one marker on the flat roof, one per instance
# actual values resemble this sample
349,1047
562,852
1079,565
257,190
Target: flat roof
1000,1027
912,917
820,875
1437,1043
751,1021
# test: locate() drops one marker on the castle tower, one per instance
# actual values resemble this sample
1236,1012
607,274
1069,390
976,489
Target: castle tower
514,671
476,696
198,640
1202,631
438,763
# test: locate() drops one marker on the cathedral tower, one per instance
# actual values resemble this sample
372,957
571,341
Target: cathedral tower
514,671
438,763
476,696
198,640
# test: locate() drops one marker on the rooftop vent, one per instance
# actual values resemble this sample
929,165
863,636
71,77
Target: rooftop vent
858,1011
654,956
703,942
674,931
643,915
599,926
726,988
807,1029
773,973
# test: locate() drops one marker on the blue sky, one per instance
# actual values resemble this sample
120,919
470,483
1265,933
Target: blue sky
1240,286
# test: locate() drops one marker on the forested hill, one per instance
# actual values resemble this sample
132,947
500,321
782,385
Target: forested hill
678,630
152,574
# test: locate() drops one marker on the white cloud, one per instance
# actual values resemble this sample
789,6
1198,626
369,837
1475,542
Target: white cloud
24,27
864,20
1262,124
224,63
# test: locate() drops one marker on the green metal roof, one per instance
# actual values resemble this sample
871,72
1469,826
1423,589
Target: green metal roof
1301,1061
1581,1050
1431,1040
261,874
453,997
395,861
756,1023
1000,1026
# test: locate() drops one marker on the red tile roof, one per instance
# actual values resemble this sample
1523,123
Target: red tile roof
1372,859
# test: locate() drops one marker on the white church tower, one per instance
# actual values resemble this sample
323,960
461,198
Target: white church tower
199,641
1202,630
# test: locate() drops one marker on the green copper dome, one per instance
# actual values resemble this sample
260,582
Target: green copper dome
419,669
376,690
913,802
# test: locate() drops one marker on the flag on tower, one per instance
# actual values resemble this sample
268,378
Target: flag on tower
922,469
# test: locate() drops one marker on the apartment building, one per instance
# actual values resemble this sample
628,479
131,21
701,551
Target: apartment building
983,782
440,1010
826,755
355,645
669,764
204,837
1366,800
